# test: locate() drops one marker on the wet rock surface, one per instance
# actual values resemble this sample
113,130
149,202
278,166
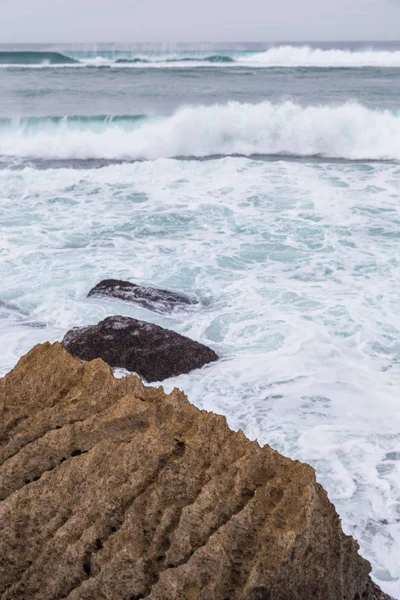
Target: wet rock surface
151,298
110,489
377,593
147,349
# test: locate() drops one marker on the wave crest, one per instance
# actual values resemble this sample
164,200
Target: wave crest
36,58
283,56
350,131
215,58
306,56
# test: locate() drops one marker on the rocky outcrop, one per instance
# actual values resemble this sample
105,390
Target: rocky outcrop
147,297
147,349
377,593
114,490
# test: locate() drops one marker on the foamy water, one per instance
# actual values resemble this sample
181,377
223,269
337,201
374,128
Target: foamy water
307,56
349,131
291,237
299,267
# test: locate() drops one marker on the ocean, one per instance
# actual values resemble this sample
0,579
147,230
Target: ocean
265,179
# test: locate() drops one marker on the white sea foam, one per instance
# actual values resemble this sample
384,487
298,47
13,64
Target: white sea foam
349,131
300,267
306,56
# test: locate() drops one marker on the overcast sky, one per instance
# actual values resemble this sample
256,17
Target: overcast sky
197,20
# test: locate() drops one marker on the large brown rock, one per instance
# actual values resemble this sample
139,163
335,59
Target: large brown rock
111,490
147,349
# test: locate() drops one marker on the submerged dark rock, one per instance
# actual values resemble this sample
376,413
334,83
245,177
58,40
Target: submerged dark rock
149,350
148,297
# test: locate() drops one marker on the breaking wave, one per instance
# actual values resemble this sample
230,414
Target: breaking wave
108,59
306,56
282,56
350,131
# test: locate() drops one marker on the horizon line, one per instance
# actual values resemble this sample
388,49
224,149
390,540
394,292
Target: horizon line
166,42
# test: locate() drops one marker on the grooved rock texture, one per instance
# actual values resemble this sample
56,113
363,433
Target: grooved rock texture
112,490
149,350
148,297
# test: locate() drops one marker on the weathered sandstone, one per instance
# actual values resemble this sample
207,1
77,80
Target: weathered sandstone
113,490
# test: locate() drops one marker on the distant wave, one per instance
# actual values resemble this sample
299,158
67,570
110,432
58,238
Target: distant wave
274,57
58,59
306,56
350,131
36,58
216,58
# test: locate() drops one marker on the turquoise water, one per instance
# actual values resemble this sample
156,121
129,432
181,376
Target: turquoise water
269,190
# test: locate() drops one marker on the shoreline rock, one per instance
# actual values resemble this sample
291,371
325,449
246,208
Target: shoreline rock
147,349
377,593
154,299
111,489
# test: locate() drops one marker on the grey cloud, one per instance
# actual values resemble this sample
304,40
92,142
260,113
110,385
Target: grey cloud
202,20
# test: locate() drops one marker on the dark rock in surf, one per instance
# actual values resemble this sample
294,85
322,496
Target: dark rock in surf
147,297
147,349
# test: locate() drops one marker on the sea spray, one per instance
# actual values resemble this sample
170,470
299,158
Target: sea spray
350,131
